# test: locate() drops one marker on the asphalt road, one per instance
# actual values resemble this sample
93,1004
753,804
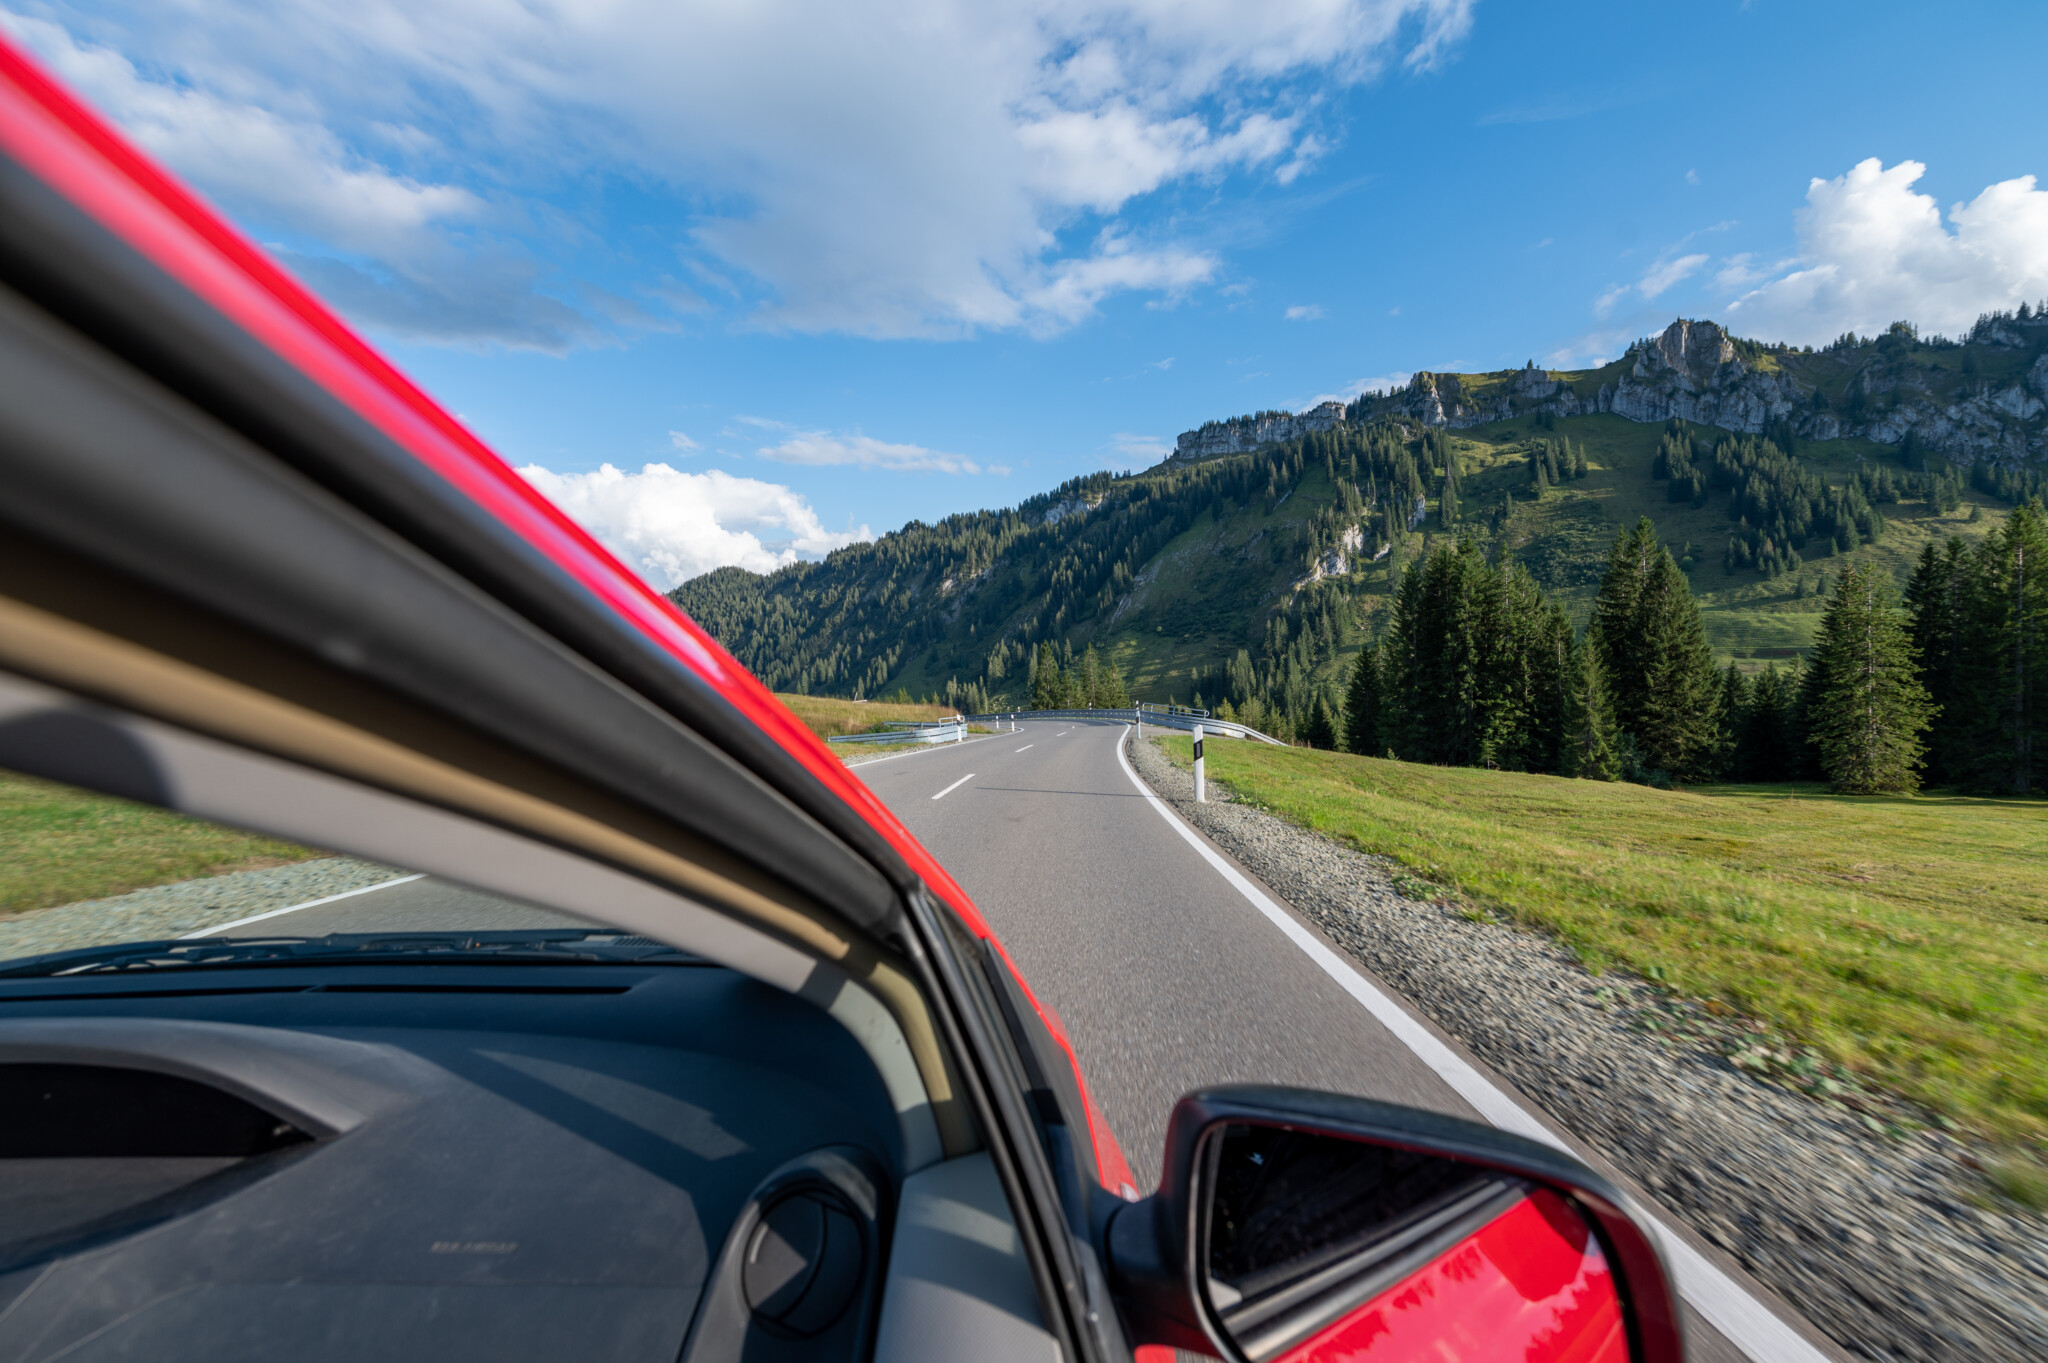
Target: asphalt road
406,904
1165,976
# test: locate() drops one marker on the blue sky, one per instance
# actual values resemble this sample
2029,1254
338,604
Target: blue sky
839,265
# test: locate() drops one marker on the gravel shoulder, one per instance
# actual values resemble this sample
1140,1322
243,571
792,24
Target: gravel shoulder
163,911
1876,1230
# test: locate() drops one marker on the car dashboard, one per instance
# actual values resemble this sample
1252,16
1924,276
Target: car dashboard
436,1160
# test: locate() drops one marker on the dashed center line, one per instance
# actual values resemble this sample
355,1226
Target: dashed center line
955,786
1027,745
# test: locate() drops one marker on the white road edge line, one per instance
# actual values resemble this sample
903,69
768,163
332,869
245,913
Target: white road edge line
955,786
1027,745
1746,1322
294,908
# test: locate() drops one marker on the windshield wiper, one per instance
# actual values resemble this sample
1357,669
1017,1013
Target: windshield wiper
545,945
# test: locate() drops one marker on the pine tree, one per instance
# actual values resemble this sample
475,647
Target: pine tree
2006,684
1047,691
1587,748
1088,685
1362,705
1321,729
1655,650
1730,709
1762,743
1938,598
1114,694
1870,709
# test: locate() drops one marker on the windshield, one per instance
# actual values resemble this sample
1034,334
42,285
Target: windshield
90,884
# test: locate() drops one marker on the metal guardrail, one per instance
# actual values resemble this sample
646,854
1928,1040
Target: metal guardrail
951,730
1160,718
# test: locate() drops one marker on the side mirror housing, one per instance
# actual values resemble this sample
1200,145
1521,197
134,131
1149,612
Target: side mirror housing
1292,1225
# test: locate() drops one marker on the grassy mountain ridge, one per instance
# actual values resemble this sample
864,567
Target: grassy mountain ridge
1265,569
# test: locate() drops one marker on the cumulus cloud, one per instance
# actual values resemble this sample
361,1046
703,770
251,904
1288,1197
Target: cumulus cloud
670,526
1872,251
390,248
1304,312
821,448
880,167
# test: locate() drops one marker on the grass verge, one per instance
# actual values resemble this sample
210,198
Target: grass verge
829,715
59,844
1906,938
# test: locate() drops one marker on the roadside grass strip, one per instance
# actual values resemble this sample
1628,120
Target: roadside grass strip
1903,937
59,845
826,716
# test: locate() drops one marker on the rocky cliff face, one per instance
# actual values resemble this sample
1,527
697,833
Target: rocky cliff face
1696,372
1250,432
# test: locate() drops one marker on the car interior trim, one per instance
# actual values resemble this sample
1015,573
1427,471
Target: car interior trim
147,487
140,758
960,1284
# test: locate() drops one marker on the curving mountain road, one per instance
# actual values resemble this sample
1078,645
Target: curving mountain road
1168,976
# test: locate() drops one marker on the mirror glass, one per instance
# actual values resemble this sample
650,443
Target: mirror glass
1322,1247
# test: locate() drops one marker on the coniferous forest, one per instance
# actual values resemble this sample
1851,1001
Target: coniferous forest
1460,594
1948,685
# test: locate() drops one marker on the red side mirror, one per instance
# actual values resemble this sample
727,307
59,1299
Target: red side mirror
1294,1226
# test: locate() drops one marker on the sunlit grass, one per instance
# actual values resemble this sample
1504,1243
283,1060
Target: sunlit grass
59,844
827,715
1905,937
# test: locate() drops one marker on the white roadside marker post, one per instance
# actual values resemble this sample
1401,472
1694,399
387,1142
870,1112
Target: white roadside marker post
1201,796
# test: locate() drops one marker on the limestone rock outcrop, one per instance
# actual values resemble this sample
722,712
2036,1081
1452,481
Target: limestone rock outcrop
1695,371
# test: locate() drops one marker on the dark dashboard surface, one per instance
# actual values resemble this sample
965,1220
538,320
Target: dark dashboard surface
401,1161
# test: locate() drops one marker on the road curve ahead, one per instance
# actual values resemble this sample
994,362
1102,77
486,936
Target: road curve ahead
1165,976
1168,977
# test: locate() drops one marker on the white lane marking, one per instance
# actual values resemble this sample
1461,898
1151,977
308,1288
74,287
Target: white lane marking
294,908
1746,1322
1027,745
955,786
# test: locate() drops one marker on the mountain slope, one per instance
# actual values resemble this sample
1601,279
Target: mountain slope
1257,558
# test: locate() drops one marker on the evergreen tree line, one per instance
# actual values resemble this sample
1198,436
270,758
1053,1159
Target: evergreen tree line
2006,484
1478,668
1780,507
1552,462
1275,691
1060,681
1979,636
976,594
1950,686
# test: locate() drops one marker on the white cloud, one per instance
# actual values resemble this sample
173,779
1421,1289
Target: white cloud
1304,312
880,167
1137,449
1379,383
1873,252
409,254
669,526
677,440
820,448
1663,276
1659,278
